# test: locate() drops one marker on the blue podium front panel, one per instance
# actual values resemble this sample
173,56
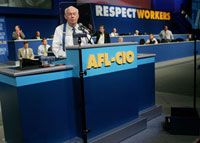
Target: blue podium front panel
110,86
146,85
10,113
111,100
42,108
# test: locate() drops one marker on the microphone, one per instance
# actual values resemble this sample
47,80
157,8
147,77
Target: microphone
86,31
83,28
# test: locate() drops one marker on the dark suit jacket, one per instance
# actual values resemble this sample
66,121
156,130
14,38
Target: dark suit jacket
106,37
34,37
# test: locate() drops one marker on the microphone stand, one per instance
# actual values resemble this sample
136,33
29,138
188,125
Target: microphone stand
195,31
85,131
84,31
186,121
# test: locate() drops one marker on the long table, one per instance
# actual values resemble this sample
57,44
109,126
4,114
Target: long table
163,51
170,51
145,37
13,46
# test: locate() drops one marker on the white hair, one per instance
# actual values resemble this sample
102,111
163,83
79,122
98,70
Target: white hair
71,7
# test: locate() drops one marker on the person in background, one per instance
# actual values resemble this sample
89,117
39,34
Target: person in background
102,36
166,35
151,40
92,32
189,37
120,39
136,33
71,27
37,35
114,33
25,52
43,48
18,34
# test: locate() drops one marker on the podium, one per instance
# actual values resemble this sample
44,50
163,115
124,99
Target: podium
44,104
118,84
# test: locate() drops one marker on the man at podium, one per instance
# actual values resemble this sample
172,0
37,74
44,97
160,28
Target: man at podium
63,35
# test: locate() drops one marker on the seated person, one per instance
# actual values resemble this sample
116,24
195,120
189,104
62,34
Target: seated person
18,34
166,35
189,37
114,33
51,36
91,30
37,35
120,39
25,52
136,33
102,36
151,40
43,48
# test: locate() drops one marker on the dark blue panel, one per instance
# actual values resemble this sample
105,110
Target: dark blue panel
10,113
163,5
13,50
169,51
146,88
77,98
47,111
111,100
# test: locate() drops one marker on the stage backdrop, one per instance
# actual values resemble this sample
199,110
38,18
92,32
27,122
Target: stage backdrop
3,41
128,19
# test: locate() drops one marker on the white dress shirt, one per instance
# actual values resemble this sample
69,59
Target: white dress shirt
113,34
42,50
167,35
153,40
101,39
57,47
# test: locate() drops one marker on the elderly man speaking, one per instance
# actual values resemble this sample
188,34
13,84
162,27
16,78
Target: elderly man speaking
63,35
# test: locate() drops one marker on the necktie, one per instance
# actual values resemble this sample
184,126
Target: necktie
26,54
18,38
165,35
75,40
45,50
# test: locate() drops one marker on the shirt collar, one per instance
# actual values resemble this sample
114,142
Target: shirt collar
76,27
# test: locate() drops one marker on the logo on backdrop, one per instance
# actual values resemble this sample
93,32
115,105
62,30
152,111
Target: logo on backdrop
3,41
125,12
3,51
120,58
